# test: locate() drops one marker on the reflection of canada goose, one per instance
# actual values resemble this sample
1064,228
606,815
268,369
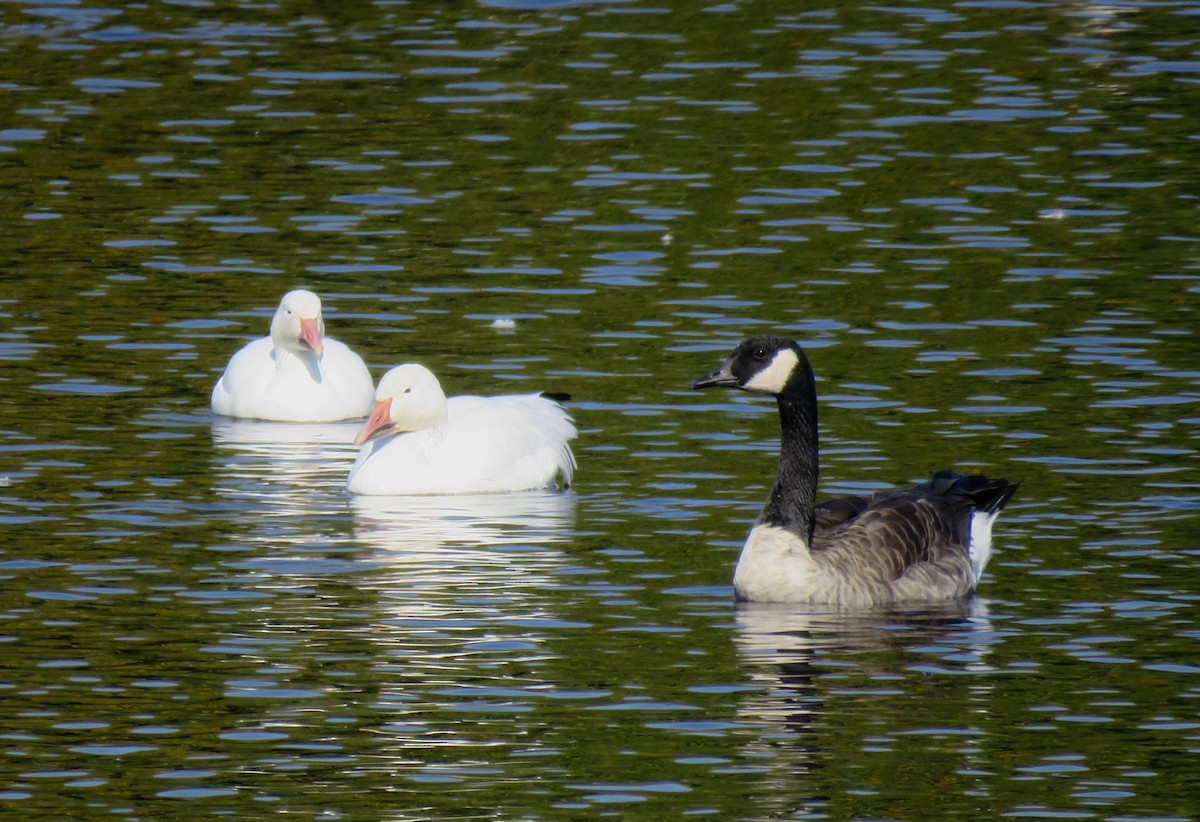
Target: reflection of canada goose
418,442
781,633
798,660
297,374
929,541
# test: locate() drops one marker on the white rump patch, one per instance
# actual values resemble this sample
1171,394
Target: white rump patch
772,378
980,549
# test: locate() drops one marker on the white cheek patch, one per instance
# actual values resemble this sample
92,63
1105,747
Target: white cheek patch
774,377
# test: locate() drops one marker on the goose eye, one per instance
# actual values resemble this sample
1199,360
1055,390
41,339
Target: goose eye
760,353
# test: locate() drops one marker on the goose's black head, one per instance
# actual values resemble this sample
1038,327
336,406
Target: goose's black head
764,364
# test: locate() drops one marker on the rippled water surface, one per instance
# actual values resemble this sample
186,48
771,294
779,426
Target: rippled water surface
979,217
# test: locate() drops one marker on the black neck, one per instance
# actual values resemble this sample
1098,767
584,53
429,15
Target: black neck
793,498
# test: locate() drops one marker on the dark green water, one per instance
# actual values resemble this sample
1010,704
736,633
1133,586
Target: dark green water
980,218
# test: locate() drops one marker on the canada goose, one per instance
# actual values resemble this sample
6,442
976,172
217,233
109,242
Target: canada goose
297,374
418,442
927,542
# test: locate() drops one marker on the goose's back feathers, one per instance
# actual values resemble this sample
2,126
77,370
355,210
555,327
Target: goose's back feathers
913,521
919,541
513,442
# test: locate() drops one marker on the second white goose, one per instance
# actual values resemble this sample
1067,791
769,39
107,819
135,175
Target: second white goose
418,442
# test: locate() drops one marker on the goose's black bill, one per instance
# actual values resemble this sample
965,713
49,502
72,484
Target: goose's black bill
722,375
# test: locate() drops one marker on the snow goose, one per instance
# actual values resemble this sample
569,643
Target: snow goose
927,542
297,374
418,442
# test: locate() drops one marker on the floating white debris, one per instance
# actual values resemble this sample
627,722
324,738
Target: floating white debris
504,324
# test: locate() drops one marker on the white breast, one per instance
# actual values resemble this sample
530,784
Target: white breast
264,383
775,564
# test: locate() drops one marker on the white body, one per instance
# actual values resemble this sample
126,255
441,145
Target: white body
418,442
297,374
265,383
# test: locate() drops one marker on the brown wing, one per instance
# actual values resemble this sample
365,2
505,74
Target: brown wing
890,535
896,529
834,512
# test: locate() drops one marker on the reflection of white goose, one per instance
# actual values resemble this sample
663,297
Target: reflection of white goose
448,562
275,460
283,484
427,525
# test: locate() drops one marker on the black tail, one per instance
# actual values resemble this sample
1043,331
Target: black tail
987,495
970,493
